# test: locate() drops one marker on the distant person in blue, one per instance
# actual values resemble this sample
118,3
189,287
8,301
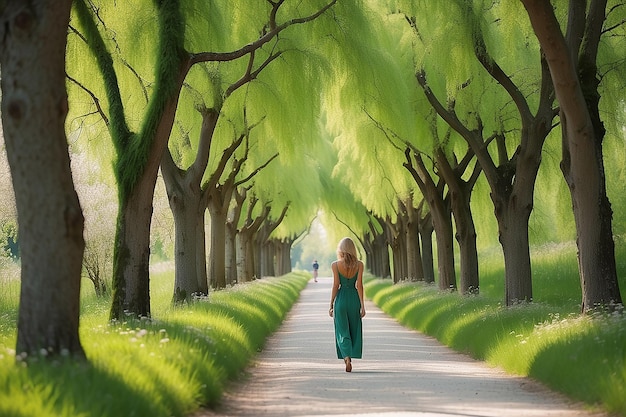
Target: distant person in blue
346,302
316,266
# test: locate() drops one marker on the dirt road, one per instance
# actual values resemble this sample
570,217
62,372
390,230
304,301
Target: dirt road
402,373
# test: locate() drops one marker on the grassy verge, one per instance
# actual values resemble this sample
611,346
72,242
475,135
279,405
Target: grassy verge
168,366
583,357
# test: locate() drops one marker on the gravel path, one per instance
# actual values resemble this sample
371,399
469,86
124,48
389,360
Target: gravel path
402,373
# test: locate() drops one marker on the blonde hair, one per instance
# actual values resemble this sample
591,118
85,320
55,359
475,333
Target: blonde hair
346,250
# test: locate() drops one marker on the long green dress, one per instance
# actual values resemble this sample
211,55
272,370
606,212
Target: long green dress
347,314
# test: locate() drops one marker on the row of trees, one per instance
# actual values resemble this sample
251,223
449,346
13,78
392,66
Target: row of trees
477,93
140,127
388,117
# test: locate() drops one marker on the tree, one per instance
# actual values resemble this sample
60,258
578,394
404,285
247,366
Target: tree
512,177
583,133
439,205
139,154
50,220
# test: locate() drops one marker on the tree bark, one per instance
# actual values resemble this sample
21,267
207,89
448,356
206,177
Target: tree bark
217,253
582,163
186,205
50,219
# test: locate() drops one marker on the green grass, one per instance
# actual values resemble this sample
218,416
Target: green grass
168,366
582,356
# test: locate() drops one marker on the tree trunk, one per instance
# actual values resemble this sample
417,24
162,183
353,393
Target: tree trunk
582,162
268,256
444,236
186,279
441,217
426,234
513,237
378,255
460,192
512,210
466,237
217,254
397,241
131,276
231,254
415,266
50,220
186,203
283,255
246,251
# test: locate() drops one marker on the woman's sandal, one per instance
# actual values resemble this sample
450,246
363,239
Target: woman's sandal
348,362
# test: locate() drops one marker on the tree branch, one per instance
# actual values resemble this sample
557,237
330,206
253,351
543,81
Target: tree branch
265,37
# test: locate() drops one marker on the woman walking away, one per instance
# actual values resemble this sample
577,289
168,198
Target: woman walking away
346,302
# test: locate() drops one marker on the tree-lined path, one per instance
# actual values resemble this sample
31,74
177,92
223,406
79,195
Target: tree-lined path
402,373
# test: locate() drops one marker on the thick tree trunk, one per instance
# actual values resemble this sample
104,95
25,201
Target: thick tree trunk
460,192
246,262
428,258
217,254
378,255
398,250
187,205
466,237
50,220
231,254
186,279
283,256
582,160
515,247
415,267
131,257
512,207
444,236
268,259
426,233
258,258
